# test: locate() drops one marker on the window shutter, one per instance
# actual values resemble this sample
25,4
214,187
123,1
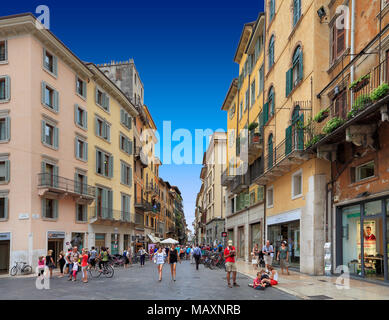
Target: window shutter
130,147
130,175
129,122
85,119
77,184
56,100
104,203
76,153
301,70
84,91
43,131
288,81
7,170
7,128
97,161
288,140
340,40
43,208
55,174
43,58
96,95
55,65
6,208
108,131
76,113
6,50
7,88
104,130
110,201
56,138
55,202
96,127
122,168
122,116
265,113
86,151
43,92
110,166
84,213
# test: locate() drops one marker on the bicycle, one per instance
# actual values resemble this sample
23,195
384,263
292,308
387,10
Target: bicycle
106,269
23,267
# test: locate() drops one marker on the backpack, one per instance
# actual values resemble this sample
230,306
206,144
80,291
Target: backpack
125,254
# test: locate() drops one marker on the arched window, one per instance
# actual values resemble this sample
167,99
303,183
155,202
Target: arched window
296,11
271,51
297,66
295,114
272,9
270,151
271,102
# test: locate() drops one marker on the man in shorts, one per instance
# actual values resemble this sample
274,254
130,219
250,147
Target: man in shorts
229,255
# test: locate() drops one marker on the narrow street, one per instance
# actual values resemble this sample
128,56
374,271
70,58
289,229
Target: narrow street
141,283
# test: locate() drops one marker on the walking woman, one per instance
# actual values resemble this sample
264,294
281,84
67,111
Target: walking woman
84,265
173,257
159,259
255,256
142,253
283,257
50,262
61,261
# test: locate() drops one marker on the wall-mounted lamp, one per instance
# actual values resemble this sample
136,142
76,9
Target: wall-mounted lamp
321,12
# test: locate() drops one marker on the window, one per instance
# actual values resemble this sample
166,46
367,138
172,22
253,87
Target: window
271,102
296,11
50,97
103,129
269,197
48,175
50,209
126,200
50,62
270,151
81,185
81,212
3,51
5,129
125,119
338,42
49,134
5,88
258,48
341,104
272,9
81,87
102,99
3,207
252,92
297,184
260,79
125,144
104,164
363,172
247,97
232,111
80,117
271,52
4,171
297,66
240,110
104,203
81,149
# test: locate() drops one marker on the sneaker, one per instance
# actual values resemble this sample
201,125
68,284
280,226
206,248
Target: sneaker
236,285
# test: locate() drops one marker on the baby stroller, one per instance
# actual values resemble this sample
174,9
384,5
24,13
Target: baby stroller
261,260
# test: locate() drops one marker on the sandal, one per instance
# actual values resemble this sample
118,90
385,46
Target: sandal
229,286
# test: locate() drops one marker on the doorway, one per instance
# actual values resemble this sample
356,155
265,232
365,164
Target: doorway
57,246
241,244
4,256
99,241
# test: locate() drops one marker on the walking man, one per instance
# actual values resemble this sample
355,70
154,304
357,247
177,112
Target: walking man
268,252
197,256
229,255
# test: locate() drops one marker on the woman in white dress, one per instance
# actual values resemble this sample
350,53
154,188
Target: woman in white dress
159,260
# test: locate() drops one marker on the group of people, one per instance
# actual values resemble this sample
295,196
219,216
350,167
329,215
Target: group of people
265,279
267,254
171,255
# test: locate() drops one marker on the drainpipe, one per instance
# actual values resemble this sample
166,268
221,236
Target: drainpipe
352,49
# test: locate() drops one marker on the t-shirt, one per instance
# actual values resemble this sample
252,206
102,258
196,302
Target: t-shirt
74,256
84,262
75,266
267,249
283,252
160,257
104,254
257,282
227,252
93,254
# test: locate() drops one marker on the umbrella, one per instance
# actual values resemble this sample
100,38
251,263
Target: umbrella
169,241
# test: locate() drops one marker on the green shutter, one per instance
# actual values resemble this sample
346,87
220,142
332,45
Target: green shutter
96,95
110,166
43,87
56,137
301,71
55,203
76,153
85,119
55,176
55,65
265,113
122,170
110,202
7,128
289,81
130,174
7,170
77,184
108,131
7,88
247,200
43,201
104,130
43,131
85,151
122,116
76,114
96,158
130,147
84,89
300,134
6,50
6,205
288,140
96,127
84,212
43,58
104,203
55,100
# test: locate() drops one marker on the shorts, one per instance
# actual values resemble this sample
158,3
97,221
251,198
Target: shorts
231,267
273,282
284,263
84,268
268,260
92,262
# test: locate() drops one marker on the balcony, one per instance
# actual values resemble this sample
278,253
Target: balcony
140,155
107,216
139,220
255,146
353,112
146,206
226,178
61,187
240,183
152,190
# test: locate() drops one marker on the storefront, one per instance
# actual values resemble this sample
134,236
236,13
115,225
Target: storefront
255,237
55,242
114,243
285,227
363,238
99,241
5,239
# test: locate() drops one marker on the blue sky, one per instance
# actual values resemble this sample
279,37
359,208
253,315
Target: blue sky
183,51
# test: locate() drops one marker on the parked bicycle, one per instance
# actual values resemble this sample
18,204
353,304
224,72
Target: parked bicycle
21,267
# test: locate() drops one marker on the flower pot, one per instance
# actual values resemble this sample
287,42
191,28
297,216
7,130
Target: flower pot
324,115
360,85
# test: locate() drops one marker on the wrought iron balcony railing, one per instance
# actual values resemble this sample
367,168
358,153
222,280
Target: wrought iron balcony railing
104,214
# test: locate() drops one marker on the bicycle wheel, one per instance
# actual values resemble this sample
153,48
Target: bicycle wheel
108,271
14,271
27,269
94,272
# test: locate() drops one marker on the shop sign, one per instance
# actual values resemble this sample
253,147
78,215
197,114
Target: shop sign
5,236
224,234
55,234
284,217
24,216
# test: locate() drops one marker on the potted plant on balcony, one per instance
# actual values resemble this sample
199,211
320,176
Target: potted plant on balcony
252,126
359,104
332,124
314,140
361,82
379,92
321,115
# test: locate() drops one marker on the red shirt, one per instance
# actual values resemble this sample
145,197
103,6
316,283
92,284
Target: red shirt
227,252
84,261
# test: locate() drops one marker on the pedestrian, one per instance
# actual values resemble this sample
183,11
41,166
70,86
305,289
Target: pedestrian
92,257
50,262
191,254
67,261
104,258
142,253
229,255
61,261
257,283
197,256
268,252
220,247
41,265
75,269
167,250
255,256
84,265
159,260
73,258
283,257
126,260
173,257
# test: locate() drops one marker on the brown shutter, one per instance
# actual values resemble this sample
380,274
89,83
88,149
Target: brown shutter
340,41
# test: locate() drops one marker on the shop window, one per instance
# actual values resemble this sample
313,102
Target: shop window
373,208
362,172
269,197
297,184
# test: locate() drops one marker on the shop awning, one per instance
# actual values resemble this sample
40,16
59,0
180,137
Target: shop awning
154,239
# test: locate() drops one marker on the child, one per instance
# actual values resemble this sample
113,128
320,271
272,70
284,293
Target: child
41,265
75,269
257,284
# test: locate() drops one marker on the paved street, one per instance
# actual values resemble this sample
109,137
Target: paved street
141,283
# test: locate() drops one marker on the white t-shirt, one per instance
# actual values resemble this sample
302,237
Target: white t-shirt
160,257
75,266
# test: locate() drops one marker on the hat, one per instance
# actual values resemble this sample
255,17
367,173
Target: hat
230,242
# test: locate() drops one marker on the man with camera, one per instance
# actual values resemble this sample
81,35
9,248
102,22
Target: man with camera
229,255
268,252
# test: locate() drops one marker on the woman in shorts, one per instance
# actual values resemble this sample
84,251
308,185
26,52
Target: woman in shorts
84,265
173,257
159,259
